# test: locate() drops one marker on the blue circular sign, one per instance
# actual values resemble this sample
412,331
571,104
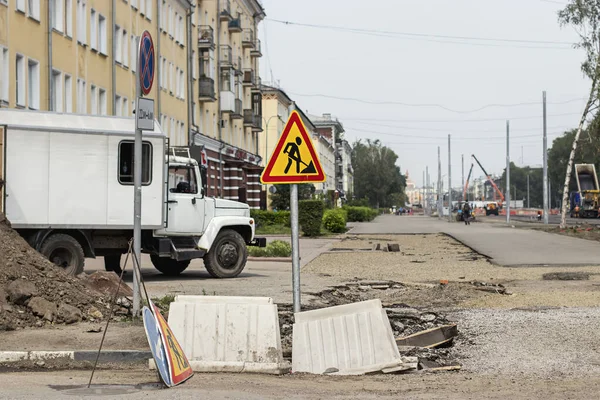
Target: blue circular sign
146,63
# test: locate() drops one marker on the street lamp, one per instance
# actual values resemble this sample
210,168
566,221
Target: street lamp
267,135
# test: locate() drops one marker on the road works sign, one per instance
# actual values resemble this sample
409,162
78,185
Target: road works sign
156,346
294,159
179,366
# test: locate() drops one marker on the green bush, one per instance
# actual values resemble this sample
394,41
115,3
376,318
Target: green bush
264,218
276,248
361,214
310,216
335,220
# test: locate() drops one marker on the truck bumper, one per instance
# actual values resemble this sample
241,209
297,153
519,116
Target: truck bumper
258,242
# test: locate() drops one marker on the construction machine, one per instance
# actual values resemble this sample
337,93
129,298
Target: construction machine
491,208
589,191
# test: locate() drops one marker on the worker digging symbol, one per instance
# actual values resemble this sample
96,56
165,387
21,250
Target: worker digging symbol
181,361
293,152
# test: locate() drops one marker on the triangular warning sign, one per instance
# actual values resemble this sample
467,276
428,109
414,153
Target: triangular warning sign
294,159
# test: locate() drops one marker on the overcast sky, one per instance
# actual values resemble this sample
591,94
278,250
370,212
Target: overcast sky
458,74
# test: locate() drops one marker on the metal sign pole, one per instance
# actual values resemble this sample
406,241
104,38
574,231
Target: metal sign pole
295,246
137,196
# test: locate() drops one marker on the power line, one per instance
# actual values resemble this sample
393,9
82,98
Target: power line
435,121
428,36
446,130
400,103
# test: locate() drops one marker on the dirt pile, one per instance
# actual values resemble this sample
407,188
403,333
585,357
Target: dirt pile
34,292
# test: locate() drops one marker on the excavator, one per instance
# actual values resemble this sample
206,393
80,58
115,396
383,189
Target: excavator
491,208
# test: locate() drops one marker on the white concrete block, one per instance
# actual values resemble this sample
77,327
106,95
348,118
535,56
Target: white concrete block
12,356
354,339
226,335
184,298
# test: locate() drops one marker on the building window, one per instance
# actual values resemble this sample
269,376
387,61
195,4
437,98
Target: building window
94,98
181,85
171,78
81,97
194,65
118,106
207,64
177,82
133,54
163,15
180,30
170,20
132,107
57,87
164,73
119,51
176,26
4,74
81,23
125,111
148,9
102,43
93,30
68,94
58,15
126,163
20,6
34,9
227,80
173,132
125,49
69,17
134,4
33,84
102,101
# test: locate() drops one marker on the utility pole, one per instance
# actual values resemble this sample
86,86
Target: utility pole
427,190
463,173
507,172
545,157
423,194
528,190
449,181
439,186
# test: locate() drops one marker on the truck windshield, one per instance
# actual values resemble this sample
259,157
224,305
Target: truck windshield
182,180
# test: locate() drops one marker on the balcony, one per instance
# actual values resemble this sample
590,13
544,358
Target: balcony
248,38
256,49
253,120
225,56
206,89
235,25
225,13
249,78
237,112
237,66
257,83
227,100
206,37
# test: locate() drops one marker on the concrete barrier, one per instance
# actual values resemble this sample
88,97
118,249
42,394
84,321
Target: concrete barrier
351,339
229,334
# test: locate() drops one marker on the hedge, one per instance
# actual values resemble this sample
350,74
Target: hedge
310,216
361,214
267,218
335,220
276,248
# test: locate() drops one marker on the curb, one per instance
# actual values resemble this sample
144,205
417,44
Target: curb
271,259
111,356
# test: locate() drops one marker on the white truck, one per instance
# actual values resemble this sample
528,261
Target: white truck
68,190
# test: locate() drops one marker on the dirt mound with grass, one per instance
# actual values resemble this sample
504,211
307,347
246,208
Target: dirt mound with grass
34,292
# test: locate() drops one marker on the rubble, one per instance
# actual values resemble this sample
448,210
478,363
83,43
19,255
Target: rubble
34,292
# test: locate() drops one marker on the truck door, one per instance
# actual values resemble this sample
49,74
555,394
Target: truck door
185,202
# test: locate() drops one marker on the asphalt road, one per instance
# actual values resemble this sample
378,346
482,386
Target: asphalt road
554,220
504,245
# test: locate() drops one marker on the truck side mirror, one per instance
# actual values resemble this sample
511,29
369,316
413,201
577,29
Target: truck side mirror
202,192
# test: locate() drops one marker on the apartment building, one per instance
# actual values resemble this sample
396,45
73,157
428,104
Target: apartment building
227,108
333,130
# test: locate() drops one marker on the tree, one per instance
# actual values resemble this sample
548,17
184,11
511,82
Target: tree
518,181
584,17
280,200
376,175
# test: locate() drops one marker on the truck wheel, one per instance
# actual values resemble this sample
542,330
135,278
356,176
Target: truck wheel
64,251
227,256
168,266
112,263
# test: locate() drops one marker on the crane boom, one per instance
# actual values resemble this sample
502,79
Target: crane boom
489,178
467,184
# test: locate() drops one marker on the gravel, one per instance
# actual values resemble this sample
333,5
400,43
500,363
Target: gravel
547,343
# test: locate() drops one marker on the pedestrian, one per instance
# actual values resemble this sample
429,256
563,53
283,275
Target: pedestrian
466,212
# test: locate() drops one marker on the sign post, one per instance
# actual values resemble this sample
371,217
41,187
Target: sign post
144,121
294,161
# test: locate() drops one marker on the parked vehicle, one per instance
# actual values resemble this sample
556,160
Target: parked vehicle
587,199
69,193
